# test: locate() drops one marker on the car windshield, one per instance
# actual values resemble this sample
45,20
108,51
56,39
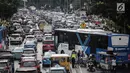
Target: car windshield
26,71
30,38
57,71
48,42
15,35
29,64
28,51
2,64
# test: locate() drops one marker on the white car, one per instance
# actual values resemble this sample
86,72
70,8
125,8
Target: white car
16,39
57,69
31,38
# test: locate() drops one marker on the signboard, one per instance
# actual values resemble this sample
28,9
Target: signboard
83,25
120,7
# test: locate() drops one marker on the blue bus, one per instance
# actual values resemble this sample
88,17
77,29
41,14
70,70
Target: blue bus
93,41
3,34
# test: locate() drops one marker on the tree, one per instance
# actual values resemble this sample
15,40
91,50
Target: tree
107,8
8,8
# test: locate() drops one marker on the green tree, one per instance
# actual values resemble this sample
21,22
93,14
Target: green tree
8,8
107,8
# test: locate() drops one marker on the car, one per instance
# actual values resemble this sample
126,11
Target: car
46,58
30,62
31,38
20,31
39,35
30,44
29,52
26,70
17,52
6,66
16,39
57,69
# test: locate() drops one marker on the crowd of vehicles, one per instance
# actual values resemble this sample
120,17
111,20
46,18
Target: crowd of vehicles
30,29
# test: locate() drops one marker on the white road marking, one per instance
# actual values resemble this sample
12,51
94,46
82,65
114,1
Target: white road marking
80,70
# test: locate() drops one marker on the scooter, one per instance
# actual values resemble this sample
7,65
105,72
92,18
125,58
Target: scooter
91,67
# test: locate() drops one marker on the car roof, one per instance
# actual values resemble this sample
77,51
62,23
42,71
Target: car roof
60,55
57,67
28,59
26,69
3,60
29,42
19,47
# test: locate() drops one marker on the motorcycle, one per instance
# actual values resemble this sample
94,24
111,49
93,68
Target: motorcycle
91,67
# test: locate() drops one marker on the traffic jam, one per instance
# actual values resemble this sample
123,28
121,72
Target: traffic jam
37,42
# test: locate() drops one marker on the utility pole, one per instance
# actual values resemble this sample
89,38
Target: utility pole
25,3
67,6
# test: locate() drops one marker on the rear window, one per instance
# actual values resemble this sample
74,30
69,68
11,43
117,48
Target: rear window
29,64
26,71
28,51
48,42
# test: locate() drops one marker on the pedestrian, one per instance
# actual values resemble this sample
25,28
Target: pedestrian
62,52
73,57
114,64
78,54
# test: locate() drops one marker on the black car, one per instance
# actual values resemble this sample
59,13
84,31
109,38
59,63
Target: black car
26,70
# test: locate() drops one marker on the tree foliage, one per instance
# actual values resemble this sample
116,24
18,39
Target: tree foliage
8,8
107,8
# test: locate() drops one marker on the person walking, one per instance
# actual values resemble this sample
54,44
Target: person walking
78,55
62,52
114,65
73,57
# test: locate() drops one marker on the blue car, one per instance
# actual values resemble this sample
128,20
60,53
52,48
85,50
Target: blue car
30,44
46,58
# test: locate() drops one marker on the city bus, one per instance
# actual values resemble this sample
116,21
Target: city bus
93,41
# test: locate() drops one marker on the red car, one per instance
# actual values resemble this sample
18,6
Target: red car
48,45
30,62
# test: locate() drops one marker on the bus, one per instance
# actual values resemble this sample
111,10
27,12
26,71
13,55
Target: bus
3,34
93,41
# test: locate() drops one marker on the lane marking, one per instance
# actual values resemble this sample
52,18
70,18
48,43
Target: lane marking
80,70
